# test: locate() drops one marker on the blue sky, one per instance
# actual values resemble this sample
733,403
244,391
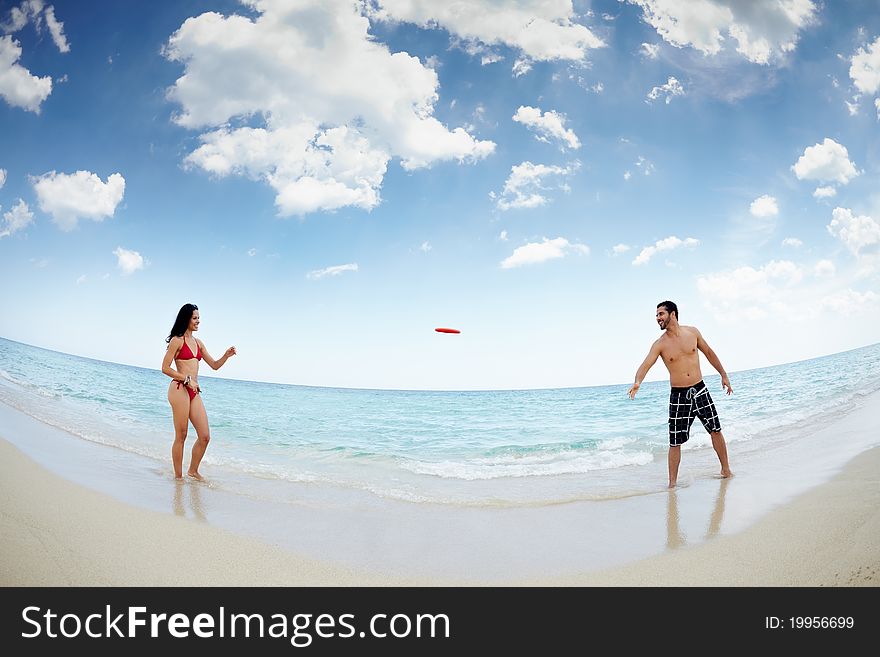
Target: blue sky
330,181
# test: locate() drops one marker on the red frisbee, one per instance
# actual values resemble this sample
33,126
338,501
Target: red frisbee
447,330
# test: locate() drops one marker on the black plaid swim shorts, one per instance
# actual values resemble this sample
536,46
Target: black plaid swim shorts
684,405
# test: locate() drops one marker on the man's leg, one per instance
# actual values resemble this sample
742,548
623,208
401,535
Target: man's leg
674,460
721,450
706,411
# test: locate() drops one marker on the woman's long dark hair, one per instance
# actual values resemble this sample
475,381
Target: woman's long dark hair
182,322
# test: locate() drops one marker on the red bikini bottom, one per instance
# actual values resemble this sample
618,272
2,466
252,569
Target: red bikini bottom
192,394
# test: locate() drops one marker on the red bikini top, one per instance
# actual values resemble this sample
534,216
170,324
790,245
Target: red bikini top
186,353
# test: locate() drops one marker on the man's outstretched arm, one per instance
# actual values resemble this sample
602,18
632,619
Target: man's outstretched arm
642,372
714,361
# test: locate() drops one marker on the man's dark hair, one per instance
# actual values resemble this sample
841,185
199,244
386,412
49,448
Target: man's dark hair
670,307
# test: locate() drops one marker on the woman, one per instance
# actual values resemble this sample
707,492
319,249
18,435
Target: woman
183,394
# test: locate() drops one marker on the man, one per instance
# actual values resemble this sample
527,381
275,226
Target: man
689,397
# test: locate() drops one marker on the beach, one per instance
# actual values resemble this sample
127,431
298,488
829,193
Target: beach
829,536
56,532
536,294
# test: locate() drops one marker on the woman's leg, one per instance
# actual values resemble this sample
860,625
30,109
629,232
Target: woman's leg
199,418
179,400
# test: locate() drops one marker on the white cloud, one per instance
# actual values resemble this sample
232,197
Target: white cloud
503,236
778,289
28,11
645,165
617,249
538,252
784,270
34,11
824,268
746,232
865,68
852,106
666,244
472,48
748,292
18,18
877,107
128,261
2,178
627,175
331,271
333,110
56,29
80,195
82,279
17,86
763,31
764,206
252,252
425,247
547,125
848,302
792,242
828,161
671,89
541,30
650,50
310,171
825,192
19,217
523,188
858,233
521,67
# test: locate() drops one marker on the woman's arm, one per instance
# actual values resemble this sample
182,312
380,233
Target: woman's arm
213,363
173,347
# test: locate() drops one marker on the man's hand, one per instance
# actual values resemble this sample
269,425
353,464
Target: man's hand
632,391
725,383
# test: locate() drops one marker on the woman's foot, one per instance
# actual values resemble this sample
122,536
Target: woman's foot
195,475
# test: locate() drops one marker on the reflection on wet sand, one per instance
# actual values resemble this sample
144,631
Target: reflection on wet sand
718,512
194,508
675,537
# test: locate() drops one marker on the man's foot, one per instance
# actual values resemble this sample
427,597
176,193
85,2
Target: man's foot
671,485
725,474
195,475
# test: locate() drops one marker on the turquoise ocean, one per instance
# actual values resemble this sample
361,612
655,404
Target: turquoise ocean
498,448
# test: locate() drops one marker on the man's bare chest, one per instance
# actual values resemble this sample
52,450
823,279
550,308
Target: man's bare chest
679,349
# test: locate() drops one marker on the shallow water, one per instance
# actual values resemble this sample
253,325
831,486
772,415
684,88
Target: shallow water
497,448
